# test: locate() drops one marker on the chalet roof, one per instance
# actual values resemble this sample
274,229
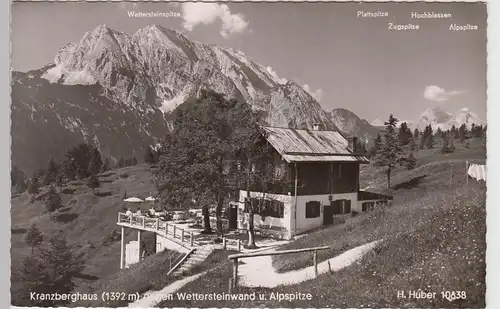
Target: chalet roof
311,146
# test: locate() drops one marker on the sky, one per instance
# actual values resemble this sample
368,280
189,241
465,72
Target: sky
342,59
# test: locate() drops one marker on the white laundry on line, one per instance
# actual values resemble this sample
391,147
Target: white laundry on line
477,171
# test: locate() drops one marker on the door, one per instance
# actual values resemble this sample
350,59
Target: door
233,216
327,215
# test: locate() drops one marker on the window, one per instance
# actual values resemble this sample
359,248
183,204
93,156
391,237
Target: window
341,206
313,209
366,206
267,207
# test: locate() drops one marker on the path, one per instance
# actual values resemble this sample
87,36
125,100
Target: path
259,271
154,297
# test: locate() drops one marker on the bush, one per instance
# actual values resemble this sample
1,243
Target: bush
124,175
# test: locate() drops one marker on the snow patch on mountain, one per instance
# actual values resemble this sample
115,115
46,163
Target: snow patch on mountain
58,72
377,123
168,106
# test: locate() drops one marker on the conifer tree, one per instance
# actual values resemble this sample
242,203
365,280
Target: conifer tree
53,201
93,183
51,271
33,237
411,161
33,186
391,153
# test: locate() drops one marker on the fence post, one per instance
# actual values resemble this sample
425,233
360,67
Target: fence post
175,227
182,235
466,172
235,272
451,174
191,238
143,221
315,257
224,243
329,266
118,217
157,224
239,245
131,216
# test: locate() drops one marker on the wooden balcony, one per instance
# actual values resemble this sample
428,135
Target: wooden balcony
162,228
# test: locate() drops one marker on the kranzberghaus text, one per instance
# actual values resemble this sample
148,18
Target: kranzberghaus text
429,15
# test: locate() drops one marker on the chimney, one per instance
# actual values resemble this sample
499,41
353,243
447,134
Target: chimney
316,126
352,142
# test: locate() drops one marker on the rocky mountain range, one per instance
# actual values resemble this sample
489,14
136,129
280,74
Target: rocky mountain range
438,118
115,90
350,124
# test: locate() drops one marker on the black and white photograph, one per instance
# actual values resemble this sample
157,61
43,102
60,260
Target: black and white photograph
248,154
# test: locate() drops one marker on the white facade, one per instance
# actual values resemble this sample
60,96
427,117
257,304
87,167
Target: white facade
294,219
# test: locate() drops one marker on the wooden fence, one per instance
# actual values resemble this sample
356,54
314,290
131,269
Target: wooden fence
233,282
170,230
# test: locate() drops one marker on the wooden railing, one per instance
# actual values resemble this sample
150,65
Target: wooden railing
233,282
176,259
170,230
235,243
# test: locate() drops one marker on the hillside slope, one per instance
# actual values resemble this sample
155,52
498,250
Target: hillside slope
433,240
88,220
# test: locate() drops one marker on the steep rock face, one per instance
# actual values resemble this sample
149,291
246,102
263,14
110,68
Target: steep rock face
291,106
349,123
438,118
48,119
465,116
116,90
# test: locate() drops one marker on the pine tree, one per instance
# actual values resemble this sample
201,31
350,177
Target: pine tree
421,142
52,171
429,137
416,134
106,166
454,132
451,147
412,146
33,186
95,164
411,161
462,133
80,160
149,156
391,153
57,269
34,277
439,132
93,183
53,201
60,179
404,134
33,237
446,145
